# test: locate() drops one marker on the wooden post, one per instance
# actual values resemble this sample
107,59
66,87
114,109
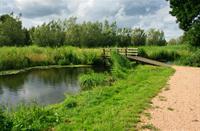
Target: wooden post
126,51
104,52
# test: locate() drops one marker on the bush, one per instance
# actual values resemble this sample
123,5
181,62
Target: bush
91,80
142,53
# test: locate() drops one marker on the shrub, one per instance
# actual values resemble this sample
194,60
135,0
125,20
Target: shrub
91,80
142,53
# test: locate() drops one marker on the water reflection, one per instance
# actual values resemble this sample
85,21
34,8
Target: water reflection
44,86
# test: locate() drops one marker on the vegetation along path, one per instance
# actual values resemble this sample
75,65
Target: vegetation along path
178,106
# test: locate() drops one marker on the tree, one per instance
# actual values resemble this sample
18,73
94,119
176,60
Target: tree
109,32
11,32
50,34
193,35
156,37
176,41
124,37
72,32
138,37
187,13
91,34
172,42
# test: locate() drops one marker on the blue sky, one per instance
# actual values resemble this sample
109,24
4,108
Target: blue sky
128,13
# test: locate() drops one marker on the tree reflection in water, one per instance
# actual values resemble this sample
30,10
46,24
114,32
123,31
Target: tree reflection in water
45,86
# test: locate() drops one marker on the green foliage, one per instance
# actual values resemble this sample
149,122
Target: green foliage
172,53
33,117
138,37
188,17
91,80
172,42
193,60
193,35
124,37
50,34
120,64
21,57
11,32
186,12
116,107
156,37
142,52
5,123
72,32
164,55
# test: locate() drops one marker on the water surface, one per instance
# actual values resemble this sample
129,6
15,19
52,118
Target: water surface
46,86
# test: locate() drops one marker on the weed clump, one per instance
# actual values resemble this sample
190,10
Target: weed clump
88,81
5,123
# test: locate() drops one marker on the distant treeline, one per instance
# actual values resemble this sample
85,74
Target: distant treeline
69,32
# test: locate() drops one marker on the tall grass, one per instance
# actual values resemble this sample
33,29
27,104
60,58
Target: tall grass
5,123
91,80
21,57
192,60
176,54
119,68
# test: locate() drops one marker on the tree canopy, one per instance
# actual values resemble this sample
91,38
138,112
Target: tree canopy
11,31
68,32
187,12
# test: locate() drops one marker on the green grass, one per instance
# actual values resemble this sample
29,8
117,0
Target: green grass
104,107
177,54
116,107
92,80
23,57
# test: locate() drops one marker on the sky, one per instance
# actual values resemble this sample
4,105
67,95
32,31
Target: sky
145,14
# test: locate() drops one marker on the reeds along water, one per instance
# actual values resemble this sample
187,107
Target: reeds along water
21,57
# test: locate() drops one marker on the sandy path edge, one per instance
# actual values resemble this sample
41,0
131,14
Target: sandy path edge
177,107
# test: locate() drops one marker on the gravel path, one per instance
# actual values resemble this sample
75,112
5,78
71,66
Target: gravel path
177,107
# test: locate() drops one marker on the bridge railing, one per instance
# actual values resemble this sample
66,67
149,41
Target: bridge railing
122,51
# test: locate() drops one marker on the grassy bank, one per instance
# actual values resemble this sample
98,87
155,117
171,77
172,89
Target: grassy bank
176,54
14,58
23,57
116,106
14,72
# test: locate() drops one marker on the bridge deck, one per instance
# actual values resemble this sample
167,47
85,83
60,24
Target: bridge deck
132,54
147,61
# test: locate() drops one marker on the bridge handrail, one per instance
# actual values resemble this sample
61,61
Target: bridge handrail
122,51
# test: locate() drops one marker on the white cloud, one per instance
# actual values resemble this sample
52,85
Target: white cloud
129,13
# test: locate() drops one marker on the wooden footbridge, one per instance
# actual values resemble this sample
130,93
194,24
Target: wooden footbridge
132,54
